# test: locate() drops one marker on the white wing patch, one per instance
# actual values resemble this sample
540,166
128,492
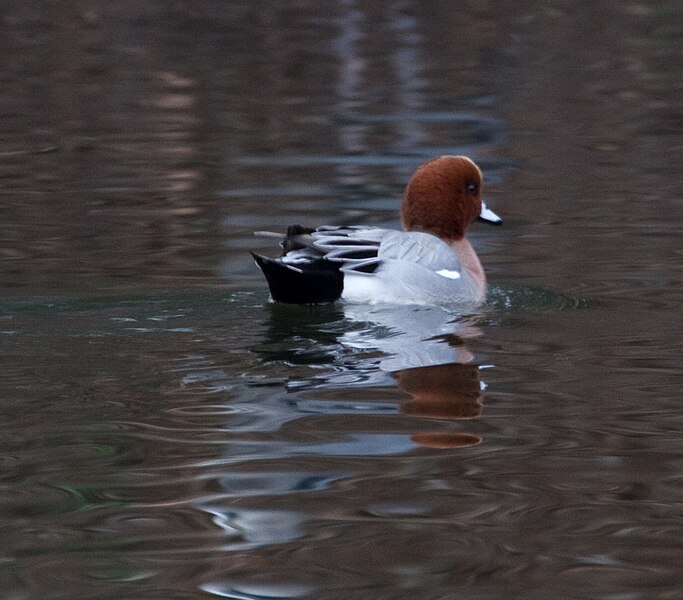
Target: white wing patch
448,274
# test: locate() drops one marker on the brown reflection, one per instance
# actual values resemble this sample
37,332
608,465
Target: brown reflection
443,439
449,392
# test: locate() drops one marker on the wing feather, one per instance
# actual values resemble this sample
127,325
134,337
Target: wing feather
362,251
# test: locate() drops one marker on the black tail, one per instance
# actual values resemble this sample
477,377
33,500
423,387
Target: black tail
306,283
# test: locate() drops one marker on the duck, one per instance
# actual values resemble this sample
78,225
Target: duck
429,262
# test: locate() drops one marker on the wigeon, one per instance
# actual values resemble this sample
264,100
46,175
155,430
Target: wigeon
430,262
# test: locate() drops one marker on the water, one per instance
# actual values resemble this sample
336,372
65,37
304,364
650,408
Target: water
169,433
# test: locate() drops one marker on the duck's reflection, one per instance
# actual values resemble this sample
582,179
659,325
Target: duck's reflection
312,435
427,356
421,349
450,392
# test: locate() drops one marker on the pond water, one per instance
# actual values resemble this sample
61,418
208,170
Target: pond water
167,432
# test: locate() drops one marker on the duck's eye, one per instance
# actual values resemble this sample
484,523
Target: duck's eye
472,188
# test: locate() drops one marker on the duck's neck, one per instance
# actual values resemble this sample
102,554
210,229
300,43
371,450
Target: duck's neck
470,261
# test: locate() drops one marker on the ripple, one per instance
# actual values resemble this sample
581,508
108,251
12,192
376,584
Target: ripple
65,576
264,483
255,528
534,299
258,591
28,502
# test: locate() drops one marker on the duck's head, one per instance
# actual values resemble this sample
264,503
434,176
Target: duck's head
443,197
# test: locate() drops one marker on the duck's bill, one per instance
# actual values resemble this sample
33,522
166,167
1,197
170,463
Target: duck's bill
489,216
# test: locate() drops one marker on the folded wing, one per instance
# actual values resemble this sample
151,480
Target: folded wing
314,261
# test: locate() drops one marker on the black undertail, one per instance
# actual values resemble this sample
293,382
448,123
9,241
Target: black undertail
313,282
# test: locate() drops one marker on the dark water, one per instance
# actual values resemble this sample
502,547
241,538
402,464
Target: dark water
166,432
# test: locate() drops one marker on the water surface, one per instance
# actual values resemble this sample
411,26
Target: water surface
167,432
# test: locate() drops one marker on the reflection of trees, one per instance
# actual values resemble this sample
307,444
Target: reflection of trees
125,123
106,168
